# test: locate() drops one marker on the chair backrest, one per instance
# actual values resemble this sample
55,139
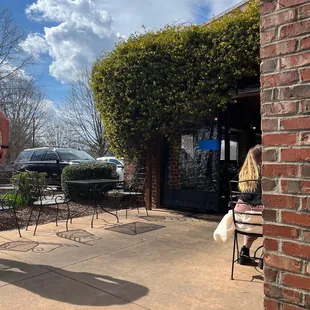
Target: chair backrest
138,182
247,222
9,192
35,184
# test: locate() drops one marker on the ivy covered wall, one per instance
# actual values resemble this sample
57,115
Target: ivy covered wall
159,82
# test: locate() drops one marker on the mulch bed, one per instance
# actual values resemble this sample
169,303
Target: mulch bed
48,214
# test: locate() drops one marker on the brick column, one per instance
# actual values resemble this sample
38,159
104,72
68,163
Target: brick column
285,108
174,161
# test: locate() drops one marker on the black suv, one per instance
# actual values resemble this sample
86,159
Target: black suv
50,160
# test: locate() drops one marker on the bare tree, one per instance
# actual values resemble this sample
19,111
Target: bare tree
81,115
20,99
23,104
12,57
57,133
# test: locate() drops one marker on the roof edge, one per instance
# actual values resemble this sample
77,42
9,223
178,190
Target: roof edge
236,6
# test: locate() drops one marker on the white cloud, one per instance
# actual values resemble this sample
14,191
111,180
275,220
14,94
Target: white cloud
84,28
35,44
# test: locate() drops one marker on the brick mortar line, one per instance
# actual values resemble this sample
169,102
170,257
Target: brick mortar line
284,9
288,101
276,40
279,87
270,73
286,271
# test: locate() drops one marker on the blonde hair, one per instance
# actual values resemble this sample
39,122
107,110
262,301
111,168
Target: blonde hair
250,170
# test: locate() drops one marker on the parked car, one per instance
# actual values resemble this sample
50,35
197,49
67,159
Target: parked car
119,164
50,160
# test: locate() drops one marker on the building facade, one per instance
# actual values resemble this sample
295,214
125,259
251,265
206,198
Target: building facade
285,108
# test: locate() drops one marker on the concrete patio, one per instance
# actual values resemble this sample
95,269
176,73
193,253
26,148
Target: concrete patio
167,261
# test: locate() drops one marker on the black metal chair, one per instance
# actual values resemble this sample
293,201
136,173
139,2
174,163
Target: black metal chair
43,196
245,223
133,191
9,197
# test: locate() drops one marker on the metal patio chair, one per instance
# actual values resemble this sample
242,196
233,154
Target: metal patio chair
43,196
241,224
134,191
9,197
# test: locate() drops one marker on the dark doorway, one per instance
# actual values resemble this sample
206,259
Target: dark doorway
241,131
204,173
198,171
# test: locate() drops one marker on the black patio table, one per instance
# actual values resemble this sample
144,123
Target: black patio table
95,183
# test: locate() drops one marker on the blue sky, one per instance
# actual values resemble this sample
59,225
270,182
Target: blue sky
55,90
68,35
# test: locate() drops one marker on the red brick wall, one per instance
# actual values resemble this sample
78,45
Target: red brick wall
157,172
285,108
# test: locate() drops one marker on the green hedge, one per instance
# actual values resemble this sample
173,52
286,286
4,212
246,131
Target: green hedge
12,199
77,192
24,182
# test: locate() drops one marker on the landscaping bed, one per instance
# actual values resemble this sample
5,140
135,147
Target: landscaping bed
48,214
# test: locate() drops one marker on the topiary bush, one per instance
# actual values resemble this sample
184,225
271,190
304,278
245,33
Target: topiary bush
160,82
24,182
77,192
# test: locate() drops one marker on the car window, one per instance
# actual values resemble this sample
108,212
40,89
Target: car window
115,161
38,155
51,155
71,154
24,156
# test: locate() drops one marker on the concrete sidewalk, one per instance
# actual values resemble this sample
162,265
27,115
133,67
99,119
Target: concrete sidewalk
167,261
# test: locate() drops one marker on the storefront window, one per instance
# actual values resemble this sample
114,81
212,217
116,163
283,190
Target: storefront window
198,169
234,155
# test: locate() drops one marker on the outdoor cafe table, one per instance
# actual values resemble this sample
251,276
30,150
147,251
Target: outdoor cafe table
95,183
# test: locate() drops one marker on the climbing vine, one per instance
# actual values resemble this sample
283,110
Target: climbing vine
159,82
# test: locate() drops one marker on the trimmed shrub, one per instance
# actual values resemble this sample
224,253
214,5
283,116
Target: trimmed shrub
77,192
24,182
11,198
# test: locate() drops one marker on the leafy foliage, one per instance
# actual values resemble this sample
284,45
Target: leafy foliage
78,192
159,82
12,199
23,180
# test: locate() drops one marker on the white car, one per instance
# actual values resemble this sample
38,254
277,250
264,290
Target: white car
119,164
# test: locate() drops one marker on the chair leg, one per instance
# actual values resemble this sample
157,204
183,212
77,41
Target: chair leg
29,219
233,258
57,211
126,207
16,220
37,221
137,204
68,216
144,204
92,218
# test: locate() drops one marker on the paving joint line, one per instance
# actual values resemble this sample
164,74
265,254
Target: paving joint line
103,254
98,289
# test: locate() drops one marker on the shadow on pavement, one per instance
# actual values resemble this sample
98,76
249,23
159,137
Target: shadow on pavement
91,290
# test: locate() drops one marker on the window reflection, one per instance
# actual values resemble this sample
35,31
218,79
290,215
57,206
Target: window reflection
197,167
